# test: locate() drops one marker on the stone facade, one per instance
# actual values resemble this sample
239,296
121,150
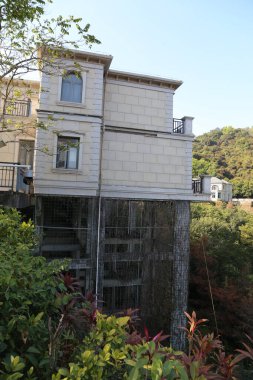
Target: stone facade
129,117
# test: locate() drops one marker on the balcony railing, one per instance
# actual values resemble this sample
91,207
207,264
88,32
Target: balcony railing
17,108
197,187
7,176
12,177
178,126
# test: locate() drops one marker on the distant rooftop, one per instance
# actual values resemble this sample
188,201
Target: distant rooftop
217,180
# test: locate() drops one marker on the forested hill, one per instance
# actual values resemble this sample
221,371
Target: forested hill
226,153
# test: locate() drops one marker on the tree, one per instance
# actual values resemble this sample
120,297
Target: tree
20,10
226,153
223,238
25,34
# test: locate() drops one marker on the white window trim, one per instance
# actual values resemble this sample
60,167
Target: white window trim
80,154
72,104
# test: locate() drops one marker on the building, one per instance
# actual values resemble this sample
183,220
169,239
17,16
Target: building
112,185
221,190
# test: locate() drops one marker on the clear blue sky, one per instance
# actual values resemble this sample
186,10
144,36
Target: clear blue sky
206,43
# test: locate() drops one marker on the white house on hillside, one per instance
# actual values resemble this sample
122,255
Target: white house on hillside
112,192
221,190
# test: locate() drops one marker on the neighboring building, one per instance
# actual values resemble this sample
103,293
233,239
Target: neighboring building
221,190
113,191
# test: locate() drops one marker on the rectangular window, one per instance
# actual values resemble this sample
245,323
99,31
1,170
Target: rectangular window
67,152
219,195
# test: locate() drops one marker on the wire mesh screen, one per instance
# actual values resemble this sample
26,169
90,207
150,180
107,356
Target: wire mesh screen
135,251
67,227
137,257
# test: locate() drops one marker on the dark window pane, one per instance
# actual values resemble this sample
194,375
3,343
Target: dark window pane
67,152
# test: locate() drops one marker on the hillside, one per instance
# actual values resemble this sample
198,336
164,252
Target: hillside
226,153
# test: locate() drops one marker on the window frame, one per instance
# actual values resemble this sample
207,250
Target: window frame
83,75
78,153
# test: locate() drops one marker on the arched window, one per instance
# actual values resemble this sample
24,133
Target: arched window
72,88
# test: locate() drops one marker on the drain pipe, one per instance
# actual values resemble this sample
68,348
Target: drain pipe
102,132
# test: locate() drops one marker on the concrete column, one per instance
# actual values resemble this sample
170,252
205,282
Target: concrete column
180,273
206,184
187,124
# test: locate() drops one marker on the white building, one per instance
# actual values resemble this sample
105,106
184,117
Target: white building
221,190
112,192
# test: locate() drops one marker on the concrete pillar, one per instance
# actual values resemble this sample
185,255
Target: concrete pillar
206,184
180,273
187,124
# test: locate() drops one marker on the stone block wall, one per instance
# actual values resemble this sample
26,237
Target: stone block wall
138,106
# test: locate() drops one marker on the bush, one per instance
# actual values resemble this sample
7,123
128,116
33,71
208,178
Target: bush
41,309
113,351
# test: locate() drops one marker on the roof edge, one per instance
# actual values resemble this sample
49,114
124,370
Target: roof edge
144,79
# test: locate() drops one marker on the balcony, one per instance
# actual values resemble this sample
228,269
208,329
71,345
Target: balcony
17,108
14,188
12,177
7,176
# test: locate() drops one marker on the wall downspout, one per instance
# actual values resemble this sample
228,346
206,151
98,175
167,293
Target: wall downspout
100,179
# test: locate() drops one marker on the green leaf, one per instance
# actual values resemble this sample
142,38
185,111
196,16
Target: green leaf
63,372
194,369
134,374
130,362
122,321
106,348
15,376
38,317
33,350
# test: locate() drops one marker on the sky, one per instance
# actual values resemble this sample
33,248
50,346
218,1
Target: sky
208,44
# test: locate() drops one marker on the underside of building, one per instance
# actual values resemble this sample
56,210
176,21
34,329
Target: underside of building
132,253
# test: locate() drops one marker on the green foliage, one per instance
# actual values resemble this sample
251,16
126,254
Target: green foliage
106,354
225,234
14,232
226,153
42,314
102,352
202,166
20,10
28,289
228,233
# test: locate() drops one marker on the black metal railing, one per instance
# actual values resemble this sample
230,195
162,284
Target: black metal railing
7,176
17,107
178,126
197,186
